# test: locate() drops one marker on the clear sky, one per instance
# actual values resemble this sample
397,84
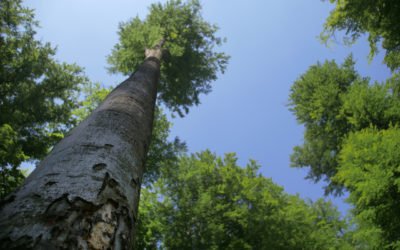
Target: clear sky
271,42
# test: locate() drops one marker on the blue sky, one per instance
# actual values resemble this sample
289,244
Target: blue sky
271,42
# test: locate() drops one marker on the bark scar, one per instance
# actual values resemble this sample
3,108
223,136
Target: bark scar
99,166
110,188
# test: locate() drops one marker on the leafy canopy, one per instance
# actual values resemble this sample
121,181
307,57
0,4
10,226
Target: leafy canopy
369,168
352,140
379,18
351,125
189,60
209,202
331,101
316,100
37,93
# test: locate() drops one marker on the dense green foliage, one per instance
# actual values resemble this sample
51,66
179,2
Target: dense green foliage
351,140
316,98
351,125
206,202
369,168
37,94
331,101
189,61
379,18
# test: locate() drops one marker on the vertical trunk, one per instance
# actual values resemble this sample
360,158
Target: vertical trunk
85,194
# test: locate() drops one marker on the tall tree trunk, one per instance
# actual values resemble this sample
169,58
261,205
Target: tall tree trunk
85,193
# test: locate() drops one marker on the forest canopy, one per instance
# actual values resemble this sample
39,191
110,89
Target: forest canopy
352,124
201,200
37,93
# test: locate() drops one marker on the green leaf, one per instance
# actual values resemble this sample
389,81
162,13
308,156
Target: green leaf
190,61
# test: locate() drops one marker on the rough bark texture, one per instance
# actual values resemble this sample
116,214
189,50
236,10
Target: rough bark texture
85,194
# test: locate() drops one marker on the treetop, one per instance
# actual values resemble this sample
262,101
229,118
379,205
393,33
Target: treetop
189,59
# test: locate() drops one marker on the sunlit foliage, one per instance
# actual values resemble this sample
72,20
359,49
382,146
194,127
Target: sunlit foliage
37,94
190,61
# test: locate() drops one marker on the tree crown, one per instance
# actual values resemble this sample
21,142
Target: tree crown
379,18
37,93
189,62
210,202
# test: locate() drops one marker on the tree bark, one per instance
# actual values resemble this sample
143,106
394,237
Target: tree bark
85,193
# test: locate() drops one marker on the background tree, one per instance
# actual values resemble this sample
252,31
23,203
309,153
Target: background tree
348,124
37,94
369,169
380,19
212,203
352,142
85,193
316,99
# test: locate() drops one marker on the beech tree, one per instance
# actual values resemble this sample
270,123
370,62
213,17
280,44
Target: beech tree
162,149
85,193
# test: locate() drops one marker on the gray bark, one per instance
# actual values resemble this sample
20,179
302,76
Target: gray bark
85,193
